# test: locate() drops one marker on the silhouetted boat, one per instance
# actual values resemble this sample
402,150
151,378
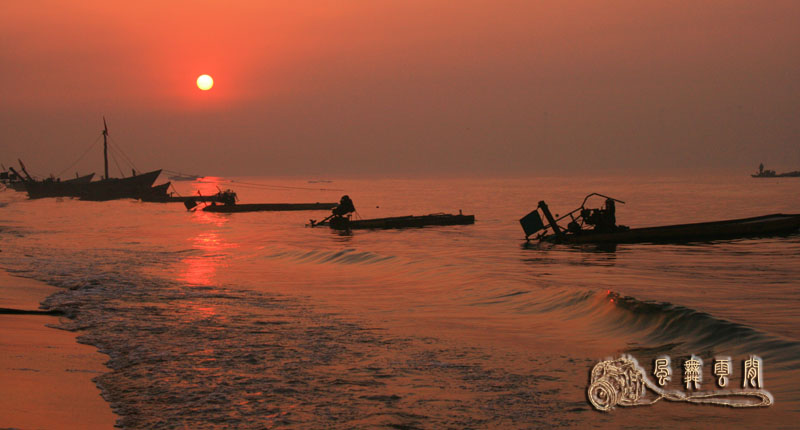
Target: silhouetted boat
767,173
181,199
135,186
11,179
182,177
409,221
57,188
228,199
599,226
107,188
257,207
157,193
49,187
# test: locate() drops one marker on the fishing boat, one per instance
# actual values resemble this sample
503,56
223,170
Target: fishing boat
11,179
170,198
598,226
49,187
767,173
408,221
341,219
132,187
52,187
178,176
259,207
229,199
135,186
157,194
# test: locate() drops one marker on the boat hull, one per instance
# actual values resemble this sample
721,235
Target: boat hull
157,193
157,198
409,221
16,186
261,207
120,188
705,231
50,188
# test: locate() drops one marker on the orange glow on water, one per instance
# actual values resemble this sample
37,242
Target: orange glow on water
202,269
199,270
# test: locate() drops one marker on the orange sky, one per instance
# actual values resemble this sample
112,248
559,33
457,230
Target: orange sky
325,88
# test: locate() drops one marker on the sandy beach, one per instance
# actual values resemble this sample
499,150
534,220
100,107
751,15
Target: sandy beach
46,374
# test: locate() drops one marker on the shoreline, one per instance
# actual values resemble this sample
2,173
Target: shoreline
47,375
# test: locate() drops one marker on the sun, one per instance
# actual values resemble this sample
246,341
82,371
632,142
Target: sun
205,82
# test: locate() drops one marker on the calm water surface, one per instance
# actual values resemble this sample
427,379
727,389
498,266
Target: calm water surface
253,320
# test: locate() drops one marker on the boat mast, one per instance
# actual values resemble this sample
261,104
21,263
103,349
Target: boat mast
25,171
105,145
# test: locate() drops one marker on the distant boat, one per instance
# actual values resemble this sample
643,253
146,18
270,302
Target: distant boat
182,177
598,226
767,173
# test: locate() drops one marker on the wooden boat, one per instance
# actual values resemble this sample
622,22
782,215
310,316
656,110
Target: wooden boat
49,187
15,185
228,199
184,177
135,186
409,221
158,197
157,193
704,231
57,188
257,207
593,226
132,187
767,173
11,179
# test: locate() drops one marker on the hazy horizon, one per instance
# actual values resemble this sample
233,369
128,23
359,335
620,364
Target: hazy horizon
403,88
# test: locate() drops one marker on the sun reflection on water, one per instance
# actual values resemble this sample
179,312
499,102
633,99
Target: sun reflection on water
202,269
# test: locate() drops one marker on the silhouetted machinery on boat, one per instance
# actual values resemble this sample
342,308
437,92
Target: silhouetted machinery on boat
600,220
227,197
600,226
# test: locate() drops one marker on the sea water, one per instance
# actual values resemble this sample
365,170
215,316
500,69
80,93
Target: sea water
254,320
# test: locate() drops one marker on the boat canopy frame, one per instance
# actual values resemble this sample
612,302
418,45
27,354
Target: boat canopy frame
532,223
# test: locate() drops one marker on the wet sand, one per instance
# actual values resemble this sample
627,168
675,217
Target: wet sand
46,375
